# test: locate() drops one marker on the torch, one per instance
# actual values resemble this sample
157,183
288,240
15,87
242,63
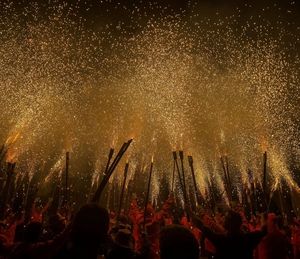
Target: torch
148,192
9,179
110,171
179,176
123,189
173,177
2,149
110,155
182,170
265,177
118,157
253,198
67,177
228,176
177,167
191,163
3,152
226,181
212,197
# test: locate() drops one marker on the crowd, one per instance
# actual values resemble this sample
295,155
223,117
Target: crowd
94,232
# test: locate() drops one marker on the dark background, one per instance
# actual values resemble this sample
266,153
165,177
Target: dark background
98,11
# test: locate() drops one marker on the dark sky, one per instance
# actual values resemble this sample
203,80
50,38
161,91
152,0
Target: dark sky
134,14
286,13
109,10
204,7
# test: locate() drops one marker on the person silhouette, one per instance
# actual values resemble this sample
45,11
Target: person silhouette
87,234
177,242
234,243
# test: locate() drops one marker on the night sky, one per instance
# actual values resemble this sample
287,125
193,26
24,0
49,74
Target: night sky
103,11
132,16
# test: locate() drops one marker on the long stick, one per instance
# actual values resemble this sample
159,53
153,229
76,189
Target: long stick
281,199
3,154
173,176
110,155
177,167
182,170
211,193
27,192
123,189
107,175
67,177
228,177
191,163
148,192
2,149
253,192
110,171
9,178
265,178
118,157
226,181
224,170
214,200
179,176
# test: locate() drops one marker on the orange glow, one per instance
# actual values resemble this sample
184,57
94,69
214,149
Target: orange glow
12,138
263,143
11,155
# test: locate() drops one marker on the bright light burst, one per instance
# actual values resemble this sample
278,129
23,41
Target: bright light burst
209,87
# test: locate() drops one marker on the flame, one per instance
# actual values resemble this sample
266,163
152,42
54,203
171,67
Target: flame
222,136
263,143
11,155
181,141
133,135
275,185
218,151
114,140
12,138
57,167
68,144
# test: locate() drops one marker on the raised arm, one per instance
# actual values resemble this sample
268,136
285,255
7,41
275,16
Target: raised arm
207,232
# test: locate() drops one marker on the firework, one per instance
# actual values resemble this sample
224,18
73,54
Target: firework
172,79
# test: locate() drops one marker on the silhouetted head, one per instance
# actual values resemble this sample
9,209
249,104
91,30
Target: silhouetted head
177,242
273,222
56,224
90,226
124,239
33,232
233,222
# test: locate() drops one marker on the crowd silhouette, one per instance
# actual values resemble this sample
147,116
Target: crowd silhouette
95,232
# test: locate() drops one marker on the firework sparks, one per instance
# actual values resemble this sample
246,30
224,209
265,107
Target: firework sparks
175,80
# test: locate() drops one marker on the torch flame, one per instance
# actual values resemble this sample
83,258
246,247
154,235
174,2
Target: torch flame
11,155
12,138
263,143
68,144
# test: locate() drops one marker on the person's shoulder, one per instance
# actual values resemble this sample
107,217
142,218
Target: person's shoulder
18,249
276,237
283,237
64,252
